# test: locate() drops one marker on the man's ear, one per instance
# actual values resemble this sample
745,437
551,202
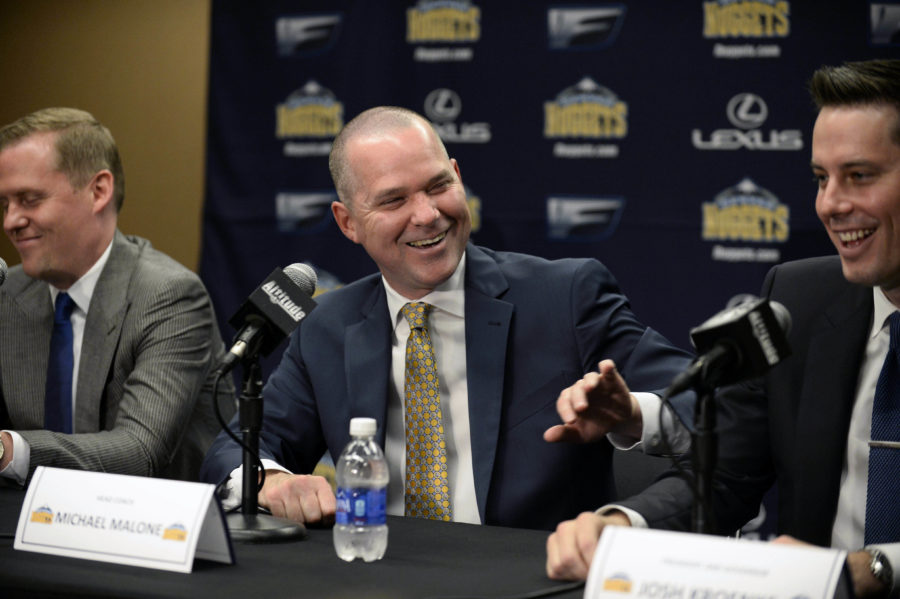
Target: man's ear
102,190
344,220
456,169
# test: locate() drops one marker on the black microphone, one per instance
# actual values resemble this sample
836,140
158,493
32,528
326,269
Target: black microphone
737,344
271,313
3,270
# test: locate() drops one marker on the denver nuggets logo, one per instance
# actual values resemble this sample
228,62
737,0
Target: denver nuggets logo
618,583
474,203
42,515
746,18
746,212
311,111
586,110
175,532
443,21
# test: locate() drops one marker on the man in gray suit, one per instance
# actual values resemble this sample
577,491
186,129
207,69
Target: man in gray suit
118,376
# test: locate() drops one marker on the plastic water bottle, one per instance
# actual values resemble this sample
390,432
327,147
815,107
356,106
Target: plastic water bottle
360,528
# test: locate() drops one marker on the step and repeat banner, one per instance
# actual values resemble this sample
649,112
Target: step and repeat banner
668,139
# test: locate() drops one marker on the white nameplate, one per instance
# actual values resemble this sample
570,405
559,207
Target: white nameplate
133,520
656,564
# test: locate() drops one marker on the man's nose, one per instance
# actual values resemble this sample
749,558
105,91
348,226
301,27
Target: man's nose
13,218
833,199
425,209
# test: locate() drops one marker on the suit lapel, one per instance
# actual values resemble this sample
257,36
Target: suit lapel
367,360
28,320
836,349
109,305
487,329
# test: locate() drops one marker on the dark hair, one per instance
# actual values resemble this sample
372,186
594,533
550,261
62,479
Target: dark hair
859,83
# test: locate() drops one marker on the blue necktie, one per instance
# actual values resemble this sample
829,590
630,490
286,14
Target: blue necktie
58,401
883,496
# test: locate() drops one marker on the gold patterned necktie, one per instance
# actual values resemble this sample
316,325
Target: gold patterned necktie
427,489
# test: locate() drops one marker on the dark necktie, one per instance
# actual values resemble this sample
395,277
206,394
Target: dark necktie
58,400
883,495
427,493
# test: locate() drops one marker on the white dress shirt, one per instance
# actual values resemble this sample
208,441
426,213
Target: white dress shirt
81,292
447,328
848,531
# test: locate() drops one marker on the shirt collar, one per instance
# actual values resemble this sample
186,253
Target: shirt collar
82,290
448,296
883,308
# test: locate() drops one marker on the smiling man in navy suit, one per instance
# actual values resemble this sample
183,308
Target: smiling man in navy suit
509,332
806,425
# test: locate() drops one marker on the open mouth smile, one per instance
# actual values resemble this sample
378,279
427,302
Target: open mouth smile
851,237
425,243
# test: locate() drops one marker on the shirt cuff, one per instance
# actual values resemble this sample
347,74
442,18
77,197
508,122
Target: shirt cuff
651,441
232,494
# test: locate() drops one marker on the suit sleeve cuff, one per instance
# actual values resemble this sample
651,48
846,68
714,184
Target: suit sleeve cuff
636,520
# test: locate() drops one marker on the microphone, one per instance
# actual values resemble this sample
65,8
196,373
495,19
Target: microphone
3,270
737,344
271,313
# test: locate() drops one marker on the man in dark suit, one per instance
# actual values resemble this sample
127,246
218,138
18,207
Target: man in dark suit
135,395
509,331
806,425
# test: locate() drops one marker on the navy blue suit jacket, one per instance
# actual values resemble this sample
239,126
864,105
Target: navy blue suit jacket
790,426
533,327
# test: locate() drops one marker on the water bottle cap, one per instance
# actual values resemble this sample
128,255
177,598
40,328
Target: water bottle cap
363,427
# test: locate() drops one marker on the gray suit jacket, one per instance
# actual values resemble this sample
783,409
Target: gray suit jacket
144,400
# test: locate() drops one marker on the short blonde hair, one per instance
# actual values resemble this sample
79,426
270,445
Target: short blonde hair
83,147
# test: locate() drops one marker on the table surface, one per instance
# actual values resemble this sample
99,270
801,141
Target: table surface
424,559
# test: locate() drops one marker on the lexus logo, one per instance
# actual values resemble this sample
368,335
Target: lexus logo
747,111
443,105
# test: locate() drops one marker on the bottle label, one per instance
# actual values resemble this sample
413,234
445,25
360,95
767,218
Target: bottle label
361,507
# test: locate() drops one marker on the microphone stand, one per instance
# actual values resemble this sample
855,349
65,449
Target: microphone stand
704,453
248,525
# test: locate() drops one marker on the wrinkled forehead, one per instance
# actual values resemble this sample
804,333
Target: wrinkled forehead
413,133
395,154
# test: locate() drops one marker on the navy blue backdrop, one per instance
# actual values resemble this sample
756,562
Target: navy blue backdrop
670,140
